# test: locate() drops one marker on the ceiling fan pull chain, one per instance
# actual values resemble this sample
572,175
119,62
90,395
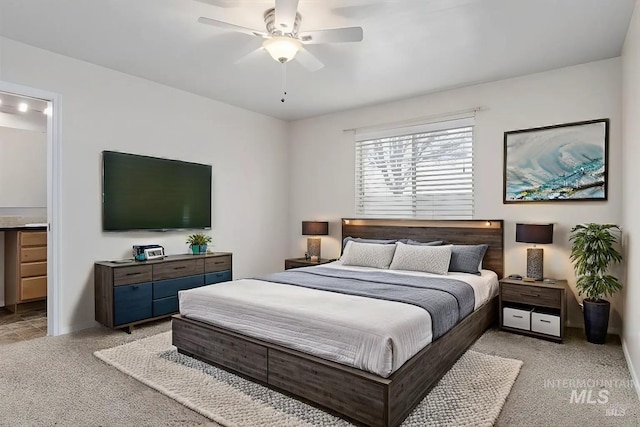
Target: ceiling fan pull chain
284,81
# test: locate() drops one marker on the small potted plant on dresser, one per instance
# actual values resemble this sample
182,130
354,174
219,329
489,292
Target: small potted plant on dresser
198,243
593,252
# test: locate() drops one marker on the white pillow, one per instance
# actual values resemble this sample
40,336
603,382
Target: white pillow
429,259
368,254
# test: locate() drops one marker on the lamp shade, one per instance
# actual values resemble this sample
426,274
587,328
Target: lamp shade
534,233
315,228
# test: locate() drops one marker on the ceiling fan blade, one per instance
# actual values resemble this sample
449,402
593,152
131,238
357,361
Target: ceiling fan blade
218,3
234,3
227,26
337,35
308,61
286,14
250,56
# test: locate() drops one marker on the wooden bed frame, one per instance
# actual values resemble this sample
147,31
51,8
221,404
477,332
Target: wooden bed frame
359,396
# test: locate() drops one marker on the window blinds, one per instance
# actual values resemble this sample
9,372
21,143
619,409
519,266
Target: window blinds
423,171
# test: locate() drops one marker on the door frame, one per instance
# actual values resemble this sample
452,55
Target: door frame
54,150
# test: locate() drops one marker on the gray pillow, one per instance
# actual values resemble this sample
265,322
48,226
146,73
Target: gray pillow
467,258
416,243
361,240
430,259
368,254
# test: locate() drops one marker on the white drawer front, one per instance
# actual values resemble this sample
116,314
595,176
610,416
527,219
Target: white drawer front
515,318
545,324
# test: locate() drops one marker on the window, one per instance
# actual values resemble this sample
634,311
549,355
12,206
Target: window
421,171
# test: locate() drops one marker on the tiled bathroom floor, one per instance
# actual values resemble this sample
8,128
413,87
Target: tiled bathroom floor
23,326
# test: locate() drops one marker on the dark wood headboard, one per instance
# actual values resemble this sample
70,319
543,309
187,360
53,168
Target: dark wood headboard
461,232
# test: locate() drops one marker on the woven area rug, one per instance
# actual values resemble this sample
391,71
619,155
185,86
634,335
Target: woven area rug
472,393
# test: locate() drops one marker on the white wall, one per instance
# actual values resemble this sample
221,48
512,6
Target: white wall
104,109
322,158
23,168
631,201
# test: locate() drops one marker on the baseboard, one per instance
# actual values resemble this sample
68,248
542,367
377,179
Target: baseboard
634,375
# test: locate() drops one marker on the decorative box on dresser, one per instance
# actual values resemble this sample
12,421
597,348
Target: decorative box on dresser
537,309
25,275
132,292
303,262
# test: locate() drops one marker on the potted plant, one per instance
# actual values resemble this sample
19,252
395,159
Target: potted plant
593,252
198,243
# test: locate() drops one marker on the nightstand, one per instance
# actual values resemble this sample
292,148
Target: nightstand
536,309
302,262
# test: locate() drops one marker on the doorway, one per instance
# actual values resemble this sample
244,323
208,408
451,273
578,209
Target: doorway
34,244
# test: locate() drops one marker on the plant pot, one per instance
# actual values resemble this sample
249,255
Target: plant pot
203,249
195,249
596,320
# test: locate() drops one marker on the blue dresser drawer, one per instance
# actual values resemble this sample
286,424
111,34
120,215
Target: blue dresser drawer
164,306
220,276
170,287
131,303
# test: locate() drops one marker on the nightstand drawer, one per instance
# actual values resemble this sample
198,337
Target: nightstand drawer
545,324
543,297
515,318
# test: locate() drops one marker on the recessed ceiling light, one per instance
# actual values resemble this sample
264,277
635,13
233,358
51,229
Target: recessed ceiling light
23,107
47,111
0,101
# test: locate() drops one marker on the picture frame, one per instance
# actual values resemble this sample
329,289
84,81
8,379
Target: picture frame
559,163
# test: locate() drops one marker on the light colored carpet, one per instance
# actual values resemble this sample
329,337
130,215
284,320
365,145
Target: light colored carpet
58,381
472,393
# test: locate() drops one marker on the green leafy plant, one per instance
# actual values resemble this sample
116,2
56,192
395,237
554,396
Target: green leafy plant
593,252
198,239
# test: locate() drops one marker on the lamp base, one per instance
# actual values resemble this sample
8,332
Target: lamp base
535,263
313,248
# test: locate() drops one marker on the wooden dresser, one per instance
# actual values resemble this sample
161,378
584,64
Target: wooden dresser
132,292
25,276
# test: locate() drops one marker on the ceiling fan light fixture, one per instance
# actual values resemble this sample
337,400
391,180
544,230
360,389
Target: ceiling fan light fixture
282,48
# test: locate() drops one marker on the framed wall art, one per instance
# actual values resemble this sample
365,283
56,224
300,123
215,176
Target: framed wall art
566,162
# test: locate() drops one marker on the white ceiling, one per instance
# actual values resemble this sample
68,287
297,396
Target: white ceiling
410,47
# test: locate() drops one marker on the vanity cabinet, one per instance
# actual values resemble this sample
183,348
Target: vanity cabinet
25,276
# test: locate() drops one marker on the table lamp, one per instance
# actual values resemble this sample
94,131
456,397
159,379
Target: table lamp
536,234
314,228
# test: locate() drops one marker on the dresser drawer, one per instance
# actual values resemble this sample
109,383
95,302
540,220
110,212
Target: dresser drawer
33,254
516,318
543,297
131,303
164,306
219,263
170,287
31,269
33,287
173,269
33,238
221,276
133,274
545,324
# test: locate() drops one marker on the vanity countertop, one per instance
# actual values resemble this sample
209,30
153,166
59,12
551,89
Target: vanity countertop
8,223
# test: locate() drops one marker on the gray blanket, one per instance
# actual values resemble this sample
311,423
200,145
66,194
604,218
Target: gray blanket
447,300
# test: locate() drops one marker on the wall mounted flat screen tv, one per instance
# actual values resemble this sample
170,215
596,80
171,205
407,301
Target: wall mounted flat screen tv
149,193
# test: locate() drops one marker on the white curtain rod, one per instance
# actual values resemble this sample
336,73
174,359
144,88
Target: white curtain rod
418,120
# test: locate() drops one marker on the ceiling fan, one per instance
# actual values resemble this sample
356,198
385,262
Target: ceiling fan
283,39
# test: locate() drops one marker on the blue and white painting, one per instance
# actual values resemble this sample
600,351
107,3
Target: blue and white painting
566,162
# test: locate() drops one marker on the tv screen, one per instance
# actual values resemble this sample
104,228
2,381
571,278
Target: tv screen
149,193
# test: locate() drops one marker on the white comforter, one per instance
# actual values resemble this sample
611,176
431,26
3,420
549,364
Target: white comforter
369,334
